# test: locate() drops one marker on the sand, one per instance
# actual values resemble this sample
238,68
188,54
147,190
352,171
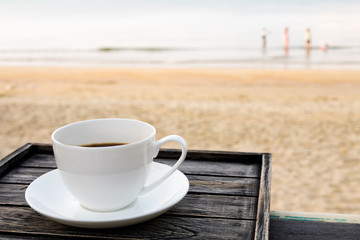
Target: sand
308,119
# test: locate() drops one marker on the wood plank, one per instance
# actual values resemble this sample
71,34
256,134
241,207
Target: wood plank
315,216
198,184
202,205
22,220
188,167
23,175
213,168
13,194
300,230
44,160
224,185
263,215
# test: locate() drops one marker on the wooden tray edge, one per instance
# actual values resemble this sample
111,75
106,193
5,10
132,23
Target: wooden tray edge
263,213
11,159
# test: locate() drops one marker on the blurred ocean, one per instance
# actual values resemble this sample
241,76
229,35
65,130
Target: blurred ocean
179,33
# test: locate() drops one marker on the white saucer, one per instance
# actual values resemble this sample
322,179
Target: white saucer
48,196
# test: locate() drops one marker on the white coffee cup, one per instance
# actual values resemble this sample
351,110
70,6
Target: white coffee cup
109,178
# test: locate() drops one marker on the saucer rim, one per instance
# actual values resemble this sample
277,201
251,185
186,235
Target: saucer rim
112,222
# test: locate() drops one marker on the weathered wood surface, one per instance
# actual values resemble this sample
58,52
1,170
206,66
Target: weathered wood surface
300,230
164,227
204,167
222,202
263,212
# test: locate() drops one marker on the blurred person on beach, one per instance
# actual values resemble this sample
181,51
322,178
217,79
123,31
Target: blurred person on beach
286,41
308,40
325,47
264,34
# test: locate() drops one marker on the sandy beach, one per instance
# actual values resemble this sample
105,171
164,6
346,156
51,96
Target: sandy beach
308,119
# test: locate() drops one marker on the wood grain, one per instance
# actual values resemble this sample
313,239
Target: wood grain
23,175
202,205
300,230
262,225
23,220
223,202
224,185
198,184
205,167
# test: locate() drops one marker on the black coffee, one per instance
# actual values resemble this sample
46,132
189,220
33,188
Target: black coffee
109,144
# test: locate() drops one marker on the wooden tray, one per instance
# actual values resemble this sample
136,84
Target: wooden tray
229,198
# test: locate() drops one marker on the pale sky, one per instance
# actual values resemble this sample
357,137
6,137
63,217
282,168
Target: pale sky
87,24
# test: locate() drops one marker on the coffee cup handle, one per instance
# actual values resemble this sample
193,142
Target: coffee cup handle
156,149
